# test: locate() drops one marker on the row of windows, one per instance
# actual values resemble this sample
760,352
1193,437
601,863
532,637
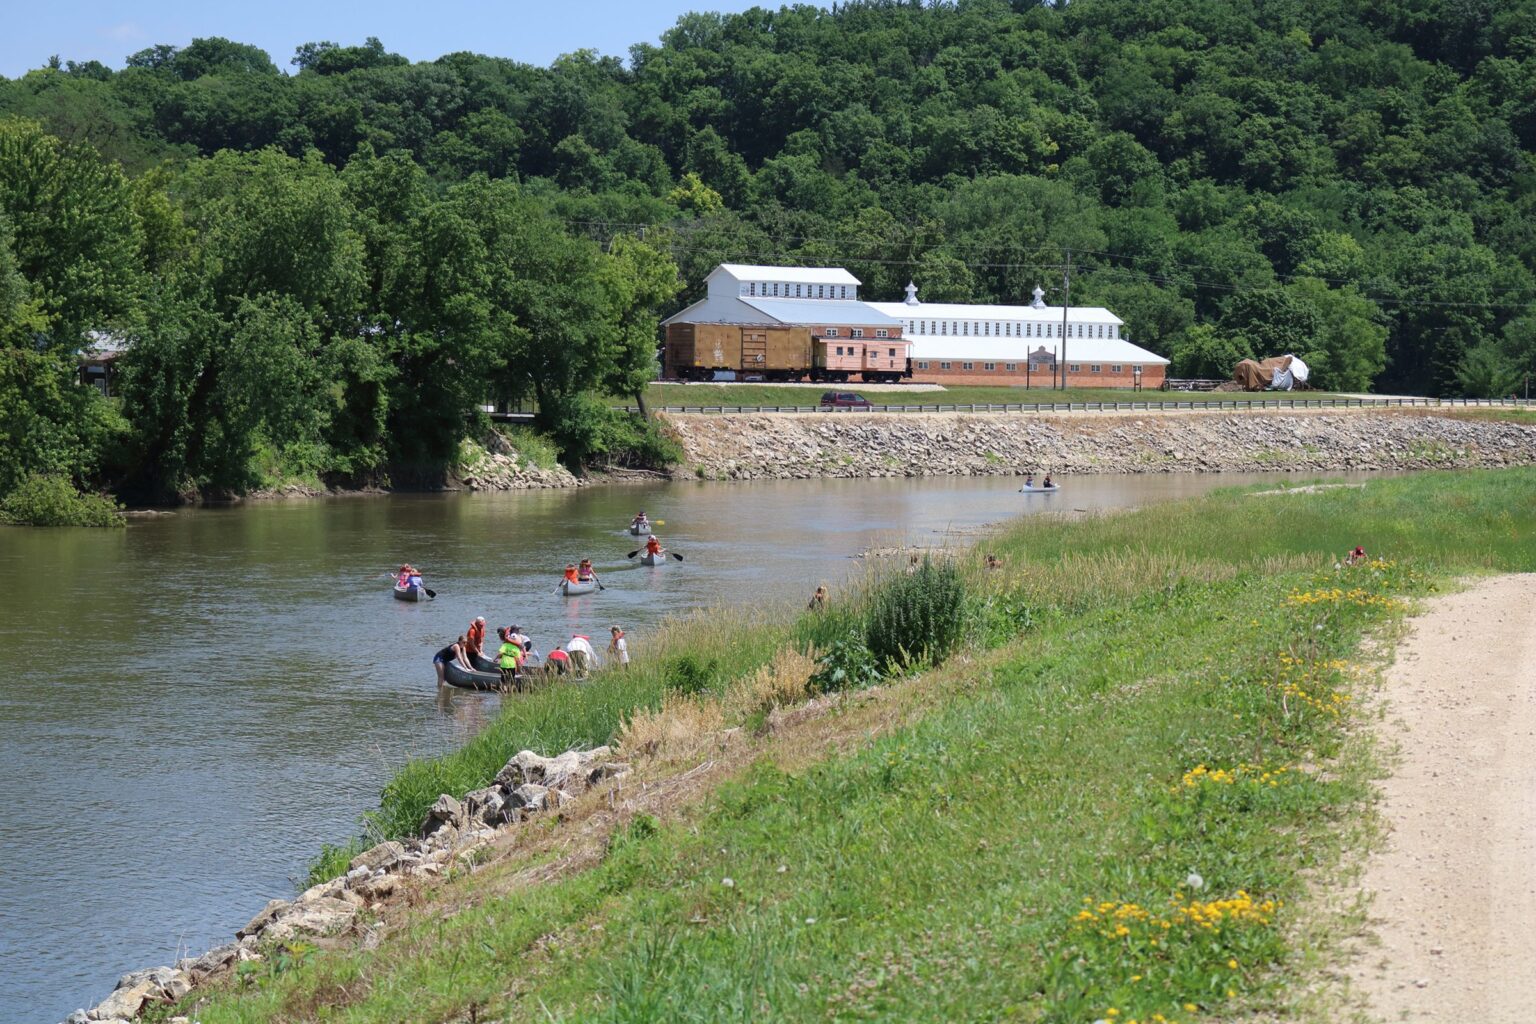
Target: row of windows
796,291
853,351
1010,329
1014,367
856,332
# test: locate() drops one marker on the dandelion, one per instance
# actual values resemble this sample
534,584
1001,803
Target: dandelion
1232,964
1194,881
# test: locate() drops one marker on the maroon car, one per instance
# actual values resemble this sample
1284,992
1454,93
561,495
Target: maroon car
844,400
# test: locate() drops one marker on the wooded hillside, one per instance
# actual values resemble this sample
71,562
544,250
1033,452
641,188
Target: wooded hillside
325,269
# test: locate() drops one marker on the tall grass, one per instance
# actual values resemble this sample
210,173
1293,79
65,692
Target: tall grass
1180,705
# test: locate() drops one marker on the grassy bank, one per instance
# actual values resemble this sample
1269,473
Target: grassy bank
1118,800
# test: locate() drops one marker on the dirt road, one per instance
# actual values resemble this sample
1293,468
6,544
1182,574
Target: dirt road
1455,887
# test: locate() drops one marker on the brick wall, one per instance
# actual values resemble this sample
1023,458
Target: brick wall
1084,377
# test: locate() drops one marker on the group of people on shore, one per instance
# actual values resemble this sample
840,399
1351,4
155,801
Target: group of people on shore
517,659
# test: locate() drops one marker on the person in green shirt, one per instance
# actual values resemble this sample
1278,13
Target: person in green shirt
511,655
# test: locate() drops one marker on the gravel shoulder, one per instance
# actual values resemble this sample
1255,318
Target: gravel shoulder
1453,890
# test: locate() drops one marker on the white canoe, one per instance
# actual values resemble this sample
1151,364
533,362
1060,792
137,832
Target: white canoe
1040,490
650,559
639,530
570,589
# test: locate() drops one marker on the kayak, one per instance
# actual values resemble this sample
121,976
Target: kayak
465,679
1039,490
570,589
410,593
650,559
639,529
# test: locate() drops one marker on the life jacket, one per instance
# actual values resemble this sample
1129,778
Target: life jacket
653,546
476,637
570,574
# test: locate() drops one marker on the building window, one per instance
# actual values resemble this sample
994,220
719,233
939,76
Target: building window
1075,367
923,365
945,366
857,332
1116,368
1011,367
831,332
821,291
989,367
965,328
967,366
986,328
839,350
893,353
1095,368
882,333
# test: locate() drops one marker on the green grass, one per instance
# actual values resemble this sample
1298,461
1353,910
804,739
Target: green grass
659,394
942,871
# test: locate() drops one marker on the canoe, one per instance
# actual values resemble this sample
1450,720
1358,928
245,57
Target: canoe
467,680
570,589
482,663
410,593
650,559
1040,490
640,530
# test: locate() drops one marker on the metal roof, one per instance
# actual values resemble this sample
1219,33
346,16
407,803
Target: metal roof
973,311
823,311
792,275
1017,350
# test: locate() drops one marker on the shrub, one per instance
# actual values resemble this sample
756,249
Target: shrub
688,674
917,617
847,665
44,500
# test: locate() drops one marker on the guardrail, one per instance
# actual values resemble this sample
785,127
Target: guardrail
1218,404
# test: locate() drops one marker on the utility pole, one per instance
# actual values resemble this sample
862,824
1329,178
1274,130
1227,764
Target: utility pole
1066,304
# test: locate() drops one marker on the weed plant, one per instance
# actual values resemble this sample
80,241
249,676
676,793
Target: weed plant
42,500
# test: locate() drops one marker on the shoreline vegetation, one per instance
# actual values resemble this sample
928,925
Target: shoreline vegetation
1118,778
320,265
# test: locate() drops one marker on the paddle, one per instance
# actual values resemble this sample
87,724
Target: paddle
633,553
430,592
675,555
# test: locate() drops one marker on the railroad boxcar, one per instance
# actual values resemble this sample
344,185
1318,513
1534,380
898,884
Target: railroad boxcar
697,351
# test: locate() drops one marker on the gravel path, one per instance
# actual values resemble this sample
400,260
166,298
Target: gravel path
1455,887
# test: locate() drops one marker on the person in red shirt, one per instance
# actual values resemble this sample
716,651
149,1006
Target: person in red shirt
652,546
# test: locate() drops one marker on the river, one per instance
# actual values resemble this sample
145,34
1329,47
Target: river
194,704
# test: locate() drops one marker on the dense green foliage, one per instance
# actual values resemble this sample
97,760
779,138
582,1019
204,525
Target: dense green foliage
42,500
332,268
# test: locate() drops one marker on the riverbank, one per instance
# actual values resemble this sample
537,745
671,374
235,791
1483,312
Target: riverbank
799,446
896,850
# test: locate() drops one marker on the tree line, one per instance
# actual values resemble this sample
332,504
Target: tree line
326,270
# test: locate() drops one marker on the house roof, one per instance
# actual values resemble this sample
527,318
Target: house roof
792,275
719,309
1017,350
974,311
823,311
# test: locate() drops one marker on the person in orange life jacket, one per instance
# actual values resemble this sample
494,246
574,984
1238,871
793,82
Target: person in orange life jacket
476,636
652,546
570,573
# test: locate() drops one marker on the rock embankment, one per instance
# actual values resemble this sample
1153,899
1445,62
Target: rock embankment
493,464
454,833
797,446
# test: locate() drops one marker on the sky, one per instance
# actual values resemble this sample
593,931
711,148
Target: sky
532,31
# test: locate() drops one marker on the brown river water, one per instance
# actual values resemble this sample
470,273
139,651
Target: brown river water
193,705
